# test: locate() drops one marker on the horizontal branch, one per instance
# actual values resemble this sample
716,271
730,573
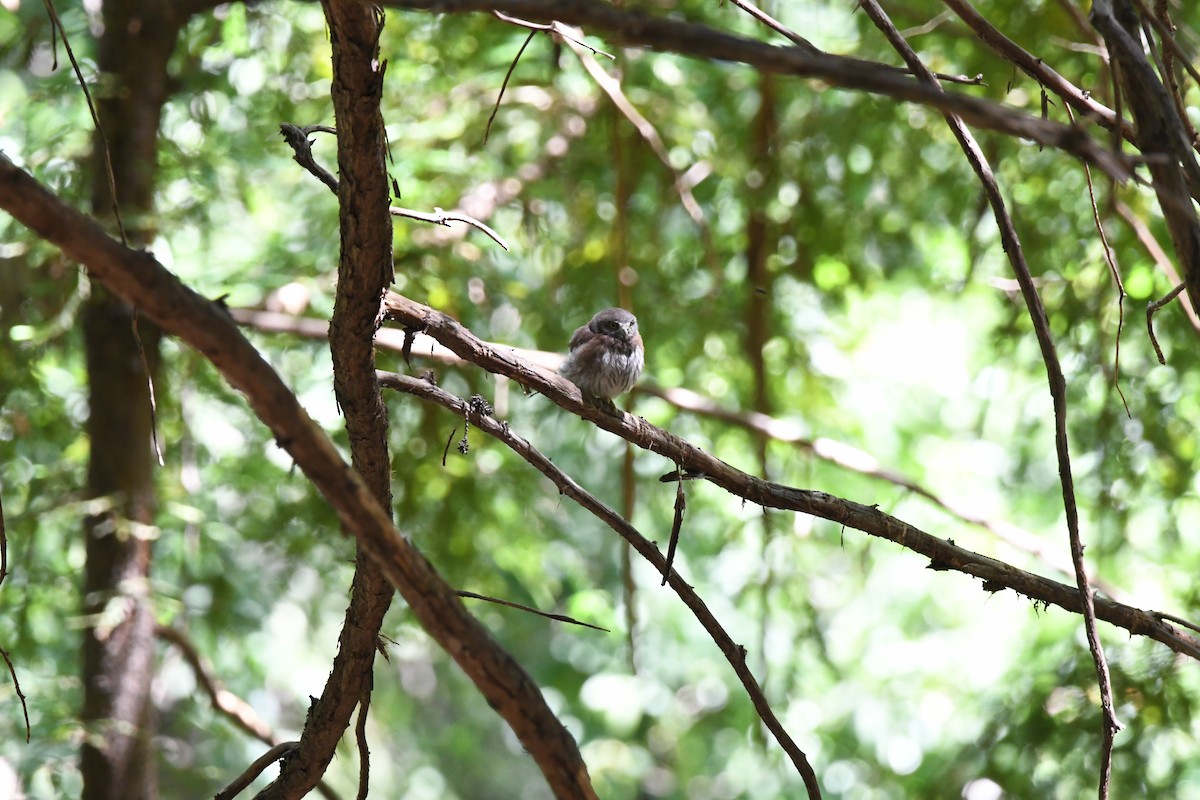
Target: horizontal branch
839,454
690,39
943,554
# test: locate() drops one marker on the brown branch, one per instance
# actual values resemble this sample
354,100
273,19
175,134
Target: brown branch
612,87
670,35
17,688
866,518
297,139
1058,384
360,740
1037,69
734,653
364,269
1153,308
1146,237
840,454
1175,176
239,712
385,379
852,459
277,753
206,326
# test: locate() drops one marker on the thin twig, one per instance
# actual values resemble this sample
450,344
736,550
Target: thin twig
690,39
3,543
1058,386
1151,309
297,138
1146,237
1038,69
137,338
21,695
511,67
108,167
530,609
276,753
552,27
809,47
776,25
1180,620
234,708
1168,40
1111,259
444,218
683,187
734,653
676,526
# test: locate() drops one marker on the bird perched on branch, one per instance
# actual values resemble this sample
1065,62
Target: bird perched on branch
606,357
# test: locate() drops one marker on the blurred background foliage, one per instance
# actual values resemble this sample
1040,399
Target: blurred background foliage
892,325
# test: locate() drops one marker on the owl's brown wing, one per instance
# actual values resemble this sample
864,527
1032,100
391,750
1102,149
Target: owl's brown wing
580,337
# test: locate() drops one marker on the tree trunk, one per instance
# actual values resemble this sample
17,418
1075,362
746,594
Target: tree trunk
117,759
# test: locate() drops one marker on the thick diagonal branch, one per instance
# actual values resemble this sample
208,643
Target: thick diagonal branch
206,326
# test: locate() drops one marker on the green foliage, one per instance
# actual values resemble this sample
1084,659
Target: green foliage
893,326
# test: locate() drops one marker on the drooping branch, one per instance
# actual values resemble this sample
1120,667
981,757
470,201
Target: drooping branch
734,653
1054,375
633,28
943,554
206,326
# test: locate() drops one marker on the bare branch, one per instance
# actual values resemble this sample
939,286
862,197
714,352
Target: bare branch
694,461
511,68
670,35
556,28
297,138
143,282
734,653
1161,259
237,710
1153,308
12,671
1038,69
388,379
1058,384
1175,176
276,753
